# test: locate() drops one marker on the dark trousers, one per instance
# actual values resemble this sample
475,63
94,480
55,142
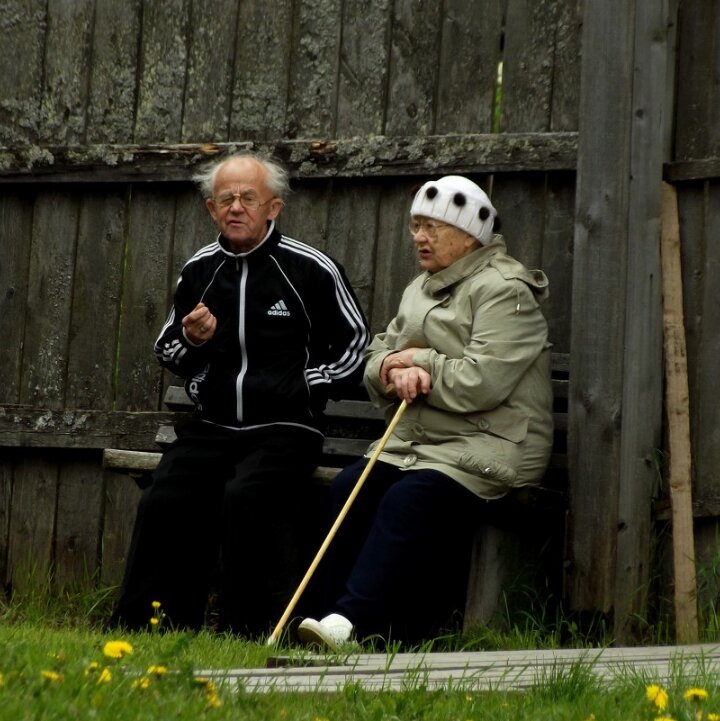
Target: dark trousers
233,495
398,565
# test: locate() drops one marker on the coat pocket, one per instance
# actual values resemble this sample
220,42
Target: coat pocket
504,422
495,469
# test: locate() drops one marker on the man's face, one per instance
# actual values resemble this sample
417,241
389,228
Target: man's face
242,203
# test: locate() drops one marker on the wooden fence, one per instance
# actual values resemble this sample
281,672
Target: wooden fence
106,109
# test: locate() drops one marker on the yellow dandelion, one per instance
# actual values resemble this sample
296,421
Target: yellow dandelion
156,604
469,699
157,670
105,676
142,683
206,683
51,676
117,649
664,718
154,621
214,700
658,695
91,668
695,694
710,716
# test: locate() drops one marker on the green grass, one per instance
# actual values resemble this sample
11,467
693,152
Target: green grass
52,665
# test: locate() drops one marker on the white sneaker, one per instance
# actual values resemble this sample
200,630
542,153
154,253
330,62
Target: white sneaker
333,631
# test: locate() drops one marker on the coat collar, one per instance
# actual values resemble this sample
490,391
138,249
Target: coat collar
435,283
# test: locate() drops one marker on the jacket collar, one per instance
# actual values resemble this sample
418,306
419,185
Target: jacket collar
469,264
262,249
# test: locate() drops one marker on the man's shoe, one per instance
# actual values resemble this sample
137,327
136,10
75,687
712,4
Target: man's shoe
331,632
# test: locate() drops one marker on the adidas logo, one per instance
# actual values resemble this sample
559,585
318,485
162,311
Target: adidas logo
279,309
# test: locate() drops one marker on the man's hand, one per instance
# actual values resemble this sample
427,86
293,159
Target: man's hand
410,382
199,324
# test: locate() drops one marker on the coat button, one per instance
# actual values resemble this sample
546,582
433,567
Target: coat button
410,459
483,424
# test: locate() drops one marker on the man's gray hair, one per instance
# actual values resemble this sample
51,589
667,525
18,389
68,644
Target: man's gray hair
277,176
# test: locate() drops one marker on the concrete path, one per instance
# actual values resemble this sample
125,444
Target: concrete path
476,671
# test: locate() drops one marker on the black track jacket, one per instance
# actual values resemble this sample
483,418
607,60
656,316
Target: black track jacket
289,332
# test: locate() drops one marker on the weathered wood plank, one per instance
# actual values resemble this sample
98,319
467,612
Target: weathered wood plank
698,100
642,398
260,90
77,530
96,299
528,64
16,233
32,521
682,171
520,202
121,500
413,80
206,111
396,261
50,288
364,67
350,157
706,326
65,71
33,427
312,91
162,71
566,66
469,671
305,217
706,414
352,234
557,257
113,71
599,284
22,39
145,293
470,50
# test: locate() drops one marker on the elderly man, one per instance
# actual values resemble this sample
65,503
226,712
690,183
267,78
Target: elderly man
263,329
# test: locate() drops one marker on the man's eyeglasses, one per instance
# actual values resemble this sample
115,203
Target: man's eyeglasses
429,228
249,201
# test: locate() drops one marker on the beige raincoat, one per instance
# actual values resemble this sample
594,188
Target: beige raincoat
487,422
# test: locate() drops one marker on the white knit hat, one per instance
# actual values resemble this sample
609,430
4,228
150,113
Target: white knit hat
457,201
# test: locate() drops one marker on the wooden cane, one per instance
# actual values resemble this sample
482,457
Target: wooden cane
275,635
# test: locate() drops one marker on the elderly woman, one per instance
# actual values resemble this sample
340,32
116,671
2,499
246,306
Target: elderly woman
468,350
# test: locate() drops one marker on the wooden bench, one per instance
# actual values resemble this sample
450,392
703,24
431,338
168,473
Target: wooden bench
499,548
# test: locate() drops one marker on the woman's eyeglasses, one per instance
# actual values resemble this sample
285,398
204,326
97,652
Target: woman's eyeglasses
429,228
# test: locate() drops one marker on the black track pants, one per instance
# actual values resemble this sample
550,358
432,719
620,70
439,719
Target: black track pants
232,496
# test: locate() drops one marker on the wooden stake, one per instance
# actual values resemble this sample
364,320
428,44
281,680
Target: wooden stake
678,417
275,635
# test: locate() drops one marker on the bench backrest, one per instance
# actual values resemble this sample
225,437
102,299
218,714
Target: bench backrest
353,424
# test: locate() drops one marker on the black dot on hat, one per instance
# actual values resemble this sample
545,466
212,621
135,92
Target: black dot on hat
484,213
431,192
459,199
